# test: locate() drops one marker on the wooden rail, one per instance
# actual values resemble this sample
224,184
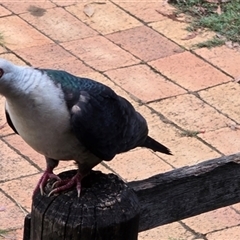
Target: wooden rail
188,191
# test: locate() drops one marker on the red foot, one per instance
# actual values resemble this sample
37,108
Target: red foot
48,174
66,184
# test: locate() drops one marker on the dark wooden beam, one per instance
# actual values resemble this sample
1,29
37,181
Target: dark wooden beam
188,191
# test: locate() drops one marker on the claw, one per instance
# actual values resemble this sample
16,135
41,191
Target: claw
66,184
48,174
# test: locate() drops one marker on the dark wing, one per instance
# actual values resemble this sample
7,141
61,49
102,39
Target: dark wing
9,121
106,123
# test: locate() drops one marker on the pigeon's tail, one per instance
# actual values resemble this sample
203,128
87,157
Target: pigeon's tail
155,146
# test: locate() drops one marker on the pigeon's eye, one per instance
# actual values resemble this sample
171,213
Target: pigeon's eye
1,72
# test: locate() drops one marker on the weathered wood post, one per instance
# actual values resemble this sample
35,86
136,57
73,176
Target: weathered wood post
107,209
27,227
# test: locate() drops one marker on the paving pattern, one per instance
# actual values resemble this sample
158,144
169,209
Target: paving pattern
146,56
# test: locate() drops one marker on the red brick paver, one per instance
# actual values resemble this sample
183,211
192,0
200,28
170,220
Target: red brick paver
144,83
53,56
59,25
64,3
176,30
229,104
12,57
214,220
189,71
168,232
145,43
12,164
224,58
100,53
224,139
188,151
106,18
37,7
17,32
190,113
4,11
11,214
147,11
229,233
138,164
141,52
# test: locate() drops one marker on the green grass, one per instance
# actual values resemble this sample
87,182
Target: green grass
214,42
226,22
190,133
1,40
2,232
175,238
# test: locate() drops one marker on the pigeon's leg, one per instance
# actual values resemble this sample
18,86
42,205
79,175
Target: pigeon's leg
83,170
48,174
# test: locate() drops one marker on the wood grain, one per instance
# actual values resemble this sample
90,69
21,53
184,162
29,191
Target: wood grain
107,209
188,191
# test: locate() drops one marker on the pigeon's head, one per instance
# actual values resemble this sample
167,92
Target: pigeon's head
8,76
6,67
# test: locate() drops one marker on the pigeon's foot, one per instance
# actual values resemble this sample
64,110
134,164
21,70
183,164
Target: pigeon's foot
48,174
66,184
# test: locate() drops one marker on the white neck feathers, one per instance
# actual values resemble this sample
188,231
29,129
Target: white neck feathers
17,80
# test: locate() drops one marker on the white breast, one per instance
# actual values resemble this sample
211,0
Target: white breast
42,119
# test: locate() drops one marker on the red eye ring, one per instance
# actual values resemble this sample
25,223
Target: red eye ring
1,72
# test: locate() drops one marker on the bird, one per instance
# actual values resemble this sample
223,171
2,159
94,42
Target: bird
66,117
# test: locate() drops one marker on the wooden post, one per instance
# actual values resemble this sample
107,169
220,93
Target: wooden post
107,209
27,227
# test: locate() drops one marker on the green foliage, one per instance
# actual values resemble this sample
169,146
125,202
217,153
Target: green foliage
175,238
214,42
189,133
223,18
1,40
2,232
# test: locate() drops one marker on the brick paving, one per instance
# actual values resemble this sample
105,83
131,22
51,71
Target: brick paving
146,57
